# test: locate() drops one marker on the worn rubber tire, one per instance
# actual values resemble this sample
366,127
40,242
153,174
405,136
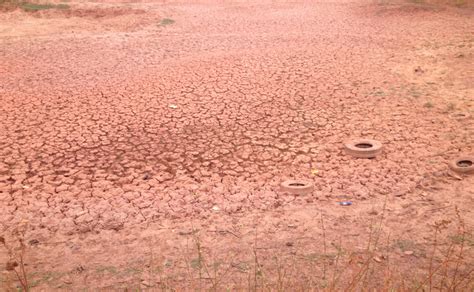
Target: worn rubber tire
454,164
297,187
353,150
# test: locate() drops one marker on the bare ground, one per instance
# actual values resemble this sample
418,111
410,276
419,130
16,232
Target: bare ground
143,153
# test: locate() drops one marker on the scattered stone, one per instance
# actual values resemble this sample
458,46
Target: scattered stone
34,242
79,269
67,280
377,259
373,212
419,70
187,232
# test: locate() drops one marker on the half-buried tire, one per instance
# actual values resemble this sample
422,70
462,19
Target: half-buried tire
363,148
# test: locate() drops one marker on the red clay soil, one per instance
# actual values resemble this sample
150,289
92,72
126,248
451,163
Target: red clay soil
122,134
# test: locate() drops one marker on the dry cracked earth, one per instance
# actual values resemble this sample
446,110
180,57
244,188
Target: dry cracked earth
118,127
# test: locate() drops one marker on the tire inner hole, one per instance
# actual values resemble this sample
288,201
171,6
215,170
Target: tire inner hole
364,145
464,163
297,184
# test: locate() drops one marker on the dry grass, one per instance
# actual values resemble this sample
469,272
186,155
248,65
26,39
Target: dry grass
442,263
458,3
455,3
449,269
16,263
166,21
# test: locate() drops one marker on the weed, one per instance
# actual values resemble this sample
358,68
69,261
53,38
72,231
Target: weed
333,266
379,93
428,104
30,6
461,238
16,262
415,93
62,6
8,4
450,107
166,21
405,244
106,270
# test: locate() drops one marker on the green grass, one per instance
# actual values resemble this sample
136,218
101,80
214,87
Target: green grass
31,7
62,6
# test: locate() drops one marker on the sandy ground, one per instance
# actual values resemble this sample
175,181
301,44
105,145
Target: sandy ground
124,142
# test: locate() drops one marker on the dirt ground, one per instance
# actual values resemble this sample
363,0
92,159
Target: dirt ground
142,145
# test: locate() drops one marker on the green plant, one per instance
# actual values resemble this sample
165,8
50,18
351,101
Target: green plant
62,6
32,7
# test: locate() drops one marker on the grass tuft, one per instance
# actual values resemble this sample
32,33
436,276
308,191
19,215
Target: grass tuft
29,6
32,7
166,21
428,104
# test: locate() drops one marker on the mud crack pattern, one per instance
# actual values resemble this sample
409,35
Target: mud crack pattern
89,141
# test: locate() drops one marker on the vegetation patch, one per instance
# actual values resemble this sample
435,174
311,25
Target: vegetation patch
29,6
33,7
166,21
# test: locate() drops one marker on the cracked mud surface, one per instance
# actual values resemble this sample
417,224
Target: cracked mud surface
119,127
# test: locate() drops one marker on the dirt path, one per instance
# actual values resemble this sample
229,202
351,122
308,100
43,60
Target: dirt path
116,129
